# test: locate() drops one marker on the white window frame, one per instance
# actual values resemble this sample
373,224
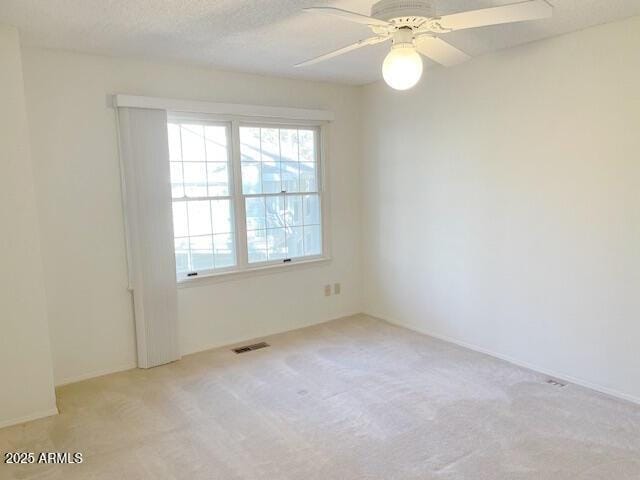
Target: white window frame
243,267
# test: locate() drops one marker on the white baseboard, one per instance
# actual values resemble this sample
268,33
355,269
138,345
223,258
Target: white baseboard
28,418
536,368
97,373
235,341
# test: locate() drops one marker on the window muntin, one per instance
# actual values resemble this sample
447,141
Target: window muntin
201,187
244,196
280,186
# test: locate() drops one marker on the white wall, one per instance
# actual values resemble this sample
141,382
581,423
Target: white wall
26,380
74,148
502,205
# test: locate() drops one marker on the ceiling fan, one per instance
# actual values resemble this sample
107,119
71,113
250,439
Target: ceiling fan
414,28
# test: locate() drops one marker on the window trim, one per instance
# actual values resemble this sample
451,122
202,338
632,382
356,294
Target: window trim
243,267
236,274
208,107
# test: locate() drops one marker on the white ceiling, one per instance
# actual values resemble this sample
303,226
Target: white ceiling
265,36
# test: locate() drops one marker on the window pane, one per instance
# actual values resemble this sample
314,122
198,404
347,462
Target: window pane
201,253
307,145
290,174
182,256
177,187
311,207
254,207
312,240
224,250
192,143
270,144
218,176
200,167
175,148
257,245
221,211
251,180
275,211
295,242
276,223
289,145
308,177
195,179
271,177
293,214
180,225
250,144
276,245
199,217
216,143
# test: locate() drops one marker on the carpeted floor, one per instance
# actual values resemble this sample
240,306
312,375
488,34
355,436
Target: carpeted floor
355,398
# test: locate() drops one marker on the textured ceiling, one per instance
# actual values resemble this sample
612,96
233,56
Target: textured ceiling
265,36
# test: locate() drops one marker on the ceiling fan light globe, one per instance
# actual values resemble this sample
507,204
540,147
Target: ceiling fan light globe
402,68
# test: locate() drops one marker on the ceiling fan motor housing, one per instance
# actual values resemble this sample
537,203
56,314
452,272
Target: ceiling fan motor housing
404,12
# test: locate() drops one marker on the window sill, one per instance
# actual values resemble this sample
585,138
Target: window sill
250,272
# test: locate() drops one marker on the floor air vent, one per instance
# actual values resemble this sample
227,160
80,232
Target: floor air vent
556,383
248,348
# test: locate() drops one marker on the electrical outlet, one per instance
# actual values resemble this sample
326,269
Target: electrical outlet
336,288
327,290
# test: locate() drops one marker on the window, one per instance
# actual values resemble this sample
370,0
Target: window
269,215
281,195
203,226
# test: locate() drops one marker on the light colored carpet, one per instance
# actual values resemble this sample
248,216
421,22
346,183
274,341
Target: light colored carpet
355,398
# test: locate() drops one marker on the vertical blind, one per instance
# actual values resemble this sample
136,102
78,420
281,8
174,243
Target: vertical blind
147,203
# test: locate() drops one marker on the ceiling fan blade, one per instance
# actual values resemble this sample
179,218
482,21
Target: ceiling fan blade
440,51
516,12
340,51
347,15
